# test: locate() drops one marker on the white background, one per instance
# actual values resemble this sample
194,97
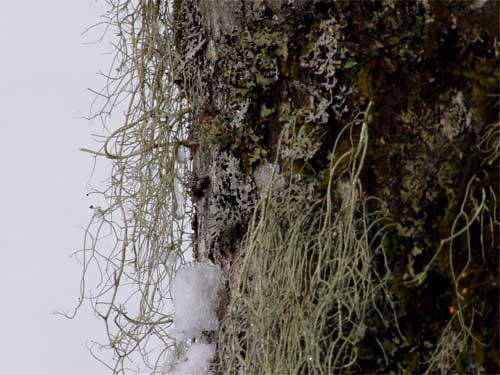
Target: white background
45,69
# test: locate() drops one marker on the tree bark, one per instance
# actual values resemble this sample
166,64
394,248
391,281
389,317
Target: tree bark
430,71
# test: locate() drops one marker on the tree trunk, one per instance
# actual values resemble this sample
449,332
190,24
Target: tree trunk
422,79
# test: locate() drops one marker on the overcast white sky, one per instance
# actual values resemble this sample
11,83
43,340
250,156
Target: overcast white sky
44,72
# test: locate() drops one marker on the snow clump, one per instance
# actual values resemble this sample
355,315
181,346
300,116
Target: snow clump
196,361
195,293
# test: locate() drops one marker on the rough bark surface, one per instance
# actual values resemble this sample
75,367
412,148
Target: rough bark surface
430,68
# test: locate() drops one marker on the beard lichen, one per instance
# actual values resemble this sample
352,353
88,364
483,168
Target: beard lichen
312,272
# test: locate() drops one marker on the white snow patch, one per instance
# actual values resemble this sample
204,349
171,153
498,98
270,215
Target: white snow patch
196,361
195,292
